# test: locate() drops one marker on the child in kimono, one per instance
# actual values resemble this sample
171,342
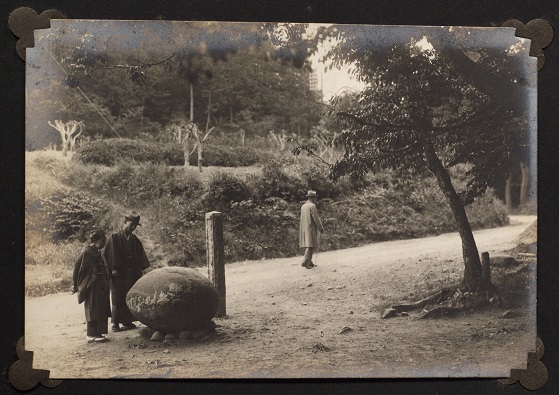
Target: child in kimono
91,282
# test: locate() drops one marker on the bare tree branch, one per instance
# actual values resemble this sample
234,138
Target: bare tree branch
308,149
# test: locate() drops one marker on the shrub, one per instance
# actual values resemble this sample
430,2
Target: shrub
148,181
65,216
109,152
245,238
487,211
224,189
227,156
315,176
171,154
184,184
276,181
290,178
180,227
134,185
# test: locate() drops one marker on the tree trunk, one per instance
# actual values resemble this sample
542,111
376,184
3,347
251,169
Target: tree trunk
525,184
200,155
200,140
65,133
187,135
472,263
485,269
73,143
209,111
508,192
64,136
191,102
78,127
186,148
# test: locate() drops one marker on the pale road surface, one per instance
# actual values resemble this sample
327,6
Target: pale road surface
384,253
277,310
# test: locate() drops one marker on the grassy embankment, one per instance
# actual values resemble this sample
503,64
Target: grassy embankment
66,198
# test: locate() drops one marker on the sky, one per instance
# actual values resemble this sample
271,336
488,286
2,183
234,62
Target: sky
332,81
335,81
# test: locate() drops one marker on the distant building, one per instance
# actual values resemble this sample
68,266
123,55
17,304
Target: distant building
313,81
314,84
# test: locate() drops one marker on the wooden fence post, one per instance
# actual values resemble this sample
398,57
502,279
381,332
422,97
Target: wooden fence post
216,256
485,268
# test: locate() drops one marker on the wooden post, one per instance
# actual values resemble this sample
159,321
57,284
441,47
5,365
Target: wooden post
216,256
485,268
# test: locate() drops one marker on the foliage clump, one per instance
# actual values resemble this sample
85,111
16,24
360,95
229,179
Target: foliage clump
290,178
227,156
65,216
110,152
132,185
261,231
223,190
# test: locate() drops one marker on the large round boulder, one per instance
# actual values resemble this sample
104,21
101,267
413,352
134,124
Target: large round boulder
173,299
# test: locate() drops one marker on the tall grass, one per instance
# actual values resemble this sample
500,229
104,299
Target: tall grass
49,266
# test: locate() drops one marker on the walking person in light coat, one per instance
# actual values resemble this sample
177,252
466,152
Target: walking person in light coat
309,228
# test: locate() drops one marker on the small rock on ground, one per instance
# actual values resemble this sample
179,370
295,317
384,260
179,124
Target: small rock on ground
197,335
146,332
388,313
508,314
157,336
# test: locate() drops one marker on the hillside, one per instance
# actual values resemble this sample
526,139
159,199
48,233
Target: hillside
65,198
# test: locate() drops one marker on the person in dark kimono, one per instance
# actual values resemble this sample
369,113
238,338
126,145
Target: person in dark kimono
91,282
126,260
310,225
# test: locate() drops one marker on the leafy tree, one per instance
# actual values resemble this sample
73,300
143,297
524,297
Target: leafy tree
261,94
428,106
138,82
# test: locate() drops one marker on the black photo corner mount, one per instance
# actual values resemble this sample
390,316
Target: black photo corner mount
535,376
24,20
22,375
539,31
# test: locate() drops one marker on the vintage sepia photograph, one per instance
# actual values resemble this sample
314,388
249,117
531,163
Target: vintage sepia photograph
279,200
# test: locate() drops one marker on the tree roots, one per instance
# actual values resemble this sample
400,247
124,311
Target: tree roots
446,302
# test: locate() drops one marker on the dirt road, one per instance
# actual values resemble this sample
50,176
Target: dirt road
287,321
